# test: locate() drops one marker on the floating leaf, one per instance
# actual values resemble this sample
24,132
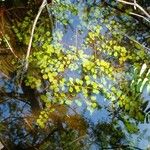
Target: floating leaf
71,89
78,102
93,98
45,76
115,54
95,91
94,105
132,128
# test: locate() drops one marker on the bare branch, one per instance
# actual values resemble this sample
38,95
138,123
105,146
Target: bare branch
32,32
140,16
135,6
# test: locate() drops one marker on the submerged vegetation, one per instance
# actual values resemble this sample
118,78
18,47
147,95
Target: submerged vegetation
69,60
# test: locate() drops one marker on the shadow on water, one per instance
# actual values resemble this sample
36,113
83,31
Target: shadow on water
89,119
69,127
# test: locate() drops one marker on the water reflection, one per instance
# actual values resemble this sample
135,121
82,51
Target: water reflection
69,127
90,119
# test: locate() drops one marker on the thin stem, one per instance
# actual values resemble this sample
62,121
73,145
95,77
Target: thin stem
136,41
32,32
79,138
140,16
11,49
135,5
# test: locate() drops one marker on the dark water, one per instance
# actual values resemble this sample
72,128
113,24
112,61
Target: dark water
74,125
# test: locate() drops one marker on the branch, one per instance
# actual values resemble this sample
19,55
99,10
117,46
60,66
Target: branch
32,32
79,138
135,5
140,16
123,11
3,144
2,75
11,49
136,42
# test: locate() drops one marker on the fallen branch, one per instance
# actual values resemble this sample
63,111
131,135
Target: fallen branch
135,14
32,33
135,6
123,11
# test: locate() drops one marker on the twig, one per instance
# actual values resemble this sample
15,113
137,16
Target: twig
15,8
135,5
2,74
136,42
140,16
76,42
79,138
3,144
9,45
32,32
27,122
50,17
123,11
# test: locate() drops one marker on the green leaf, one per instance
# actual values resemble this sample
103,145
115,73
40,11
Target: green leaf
70,89
118,93
88,82
45,76
95,91
77,88
127,107
77,80
68,102
95,85
115,54
132,128
93,98
87,78
71,80
48,33
94,105
78,102
91,110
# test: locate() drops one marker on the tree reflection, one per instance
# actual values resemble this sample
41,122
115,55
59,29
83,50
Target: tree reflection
65,129
38,115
